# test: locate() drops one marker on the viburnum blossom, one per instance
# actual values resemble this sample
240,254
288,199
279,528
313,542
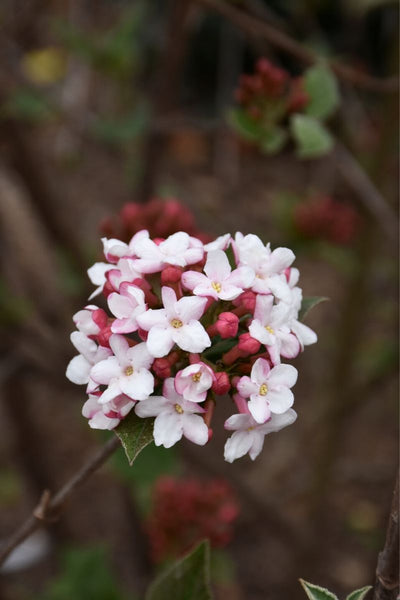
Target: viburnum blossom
188,324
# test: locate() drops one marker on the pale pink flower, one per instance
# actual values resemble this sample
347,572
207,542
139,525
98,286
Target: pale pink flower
176,323
175,417
108,415
84,321
270,326
269,266
122,272
221,243
127,372
268,389
78,370
178,249
249,435
219,280
126,306
304,334
97,275
194,382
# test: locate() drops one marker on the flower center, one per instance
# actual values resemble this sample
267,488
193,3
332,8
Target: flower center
269,329
250,428
216,286
176,323
196,377
263,389
178,409
129,371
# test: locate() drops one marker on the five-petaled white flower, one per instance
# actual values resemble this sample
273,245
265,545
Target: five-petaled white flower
127,372
178,249
219,280
175,417
109,414
79,368
176,323
249,435
268,389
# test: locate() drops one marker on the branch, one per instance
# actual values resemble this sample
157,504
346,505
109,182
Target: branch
387,576
50,507
262,29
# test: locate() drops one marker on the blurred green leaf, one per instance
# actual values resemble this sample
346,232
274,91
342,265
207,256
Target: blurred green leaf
359,594
308,303
124,129
186,579
315,592
28,105
219,348
135,434
244,125
85,575
311,137
273,140
321,86
13,309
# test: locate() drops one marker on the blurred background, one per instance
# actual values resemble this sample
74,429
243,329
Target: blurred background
107,103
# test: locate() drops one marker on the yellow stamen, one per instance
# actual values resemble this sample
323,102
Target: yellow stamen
129,370
250,428
178,409
176,323
269,329
263,389
196,377
216,286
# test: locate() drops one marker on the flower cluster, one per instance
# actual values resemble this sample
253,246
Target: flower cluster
271,92
191,323
188,511
325,218
161,217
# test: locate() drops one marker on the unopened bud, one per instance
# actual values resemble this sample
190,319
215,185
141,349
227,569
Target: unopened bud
227,325
248,345
221,385
171,275
162,368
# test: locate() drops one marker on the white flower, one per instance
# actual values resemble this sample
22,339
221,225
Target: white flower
175,417
221,243
177,323
108,415
126,306
270,326
268,389
219,280
126,372
304,334
269,266
194,381
78,370
123,271
178,249
249,435
84,321
97,275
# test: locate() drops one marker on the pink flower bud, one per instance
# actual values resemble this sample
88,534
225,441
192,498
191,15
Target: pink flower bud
227,325
104,336
248,345
221,384
171,275
100,317
246,303
162,368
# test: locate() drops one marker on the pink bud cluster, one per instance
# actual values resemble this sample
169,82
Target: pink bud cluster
325,218
189,323
188,511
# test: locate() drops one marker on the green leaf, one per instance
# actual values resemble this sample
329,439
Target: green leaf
308,303
135,434
315,592
218,349
124,129
359,594
28,105
273,140
321,85
312,139
244,125
186,579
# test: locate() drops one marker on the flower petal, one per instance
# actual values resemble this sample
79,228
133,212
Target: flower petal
194,429
167,429
285,375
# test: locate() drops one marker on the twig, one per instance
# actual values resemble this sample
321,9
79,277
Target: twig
50,507
387,574
259,28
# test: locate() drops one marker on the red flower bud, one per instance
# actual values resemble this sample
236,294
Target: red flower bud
162,368
247,301
171,275
227,325
248,345
221,384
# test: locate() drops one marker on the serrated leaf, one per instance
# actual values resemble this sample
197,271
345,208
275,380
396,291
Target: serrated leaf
135,434
273,140
315,592
311,137
186,579
243,124
359,594
308,303
322,88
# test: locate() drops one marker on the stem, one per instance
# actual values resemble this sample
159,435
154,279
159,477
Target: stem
387,575
50,507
